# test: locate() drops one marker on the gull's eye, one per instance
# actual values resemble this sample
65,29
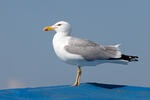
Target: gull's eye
59,25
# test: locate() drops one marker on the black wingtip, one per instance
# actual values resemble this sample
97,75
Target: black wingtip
133,58
129,58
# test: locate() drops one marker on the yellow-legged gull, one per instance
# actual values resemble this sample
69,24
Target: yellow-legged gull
83,52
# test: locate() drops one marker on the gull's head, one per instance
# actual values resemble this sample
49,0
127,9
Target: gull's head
62,26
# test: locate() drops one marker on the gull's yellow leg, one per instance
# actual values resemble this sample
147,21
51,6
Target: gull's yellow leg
77,82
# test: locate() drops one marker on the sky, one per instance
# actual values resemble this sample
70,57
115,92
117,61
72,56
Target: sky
27,58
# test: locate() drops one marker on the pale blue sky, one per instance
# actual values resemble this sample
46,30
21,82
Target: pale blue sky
27,58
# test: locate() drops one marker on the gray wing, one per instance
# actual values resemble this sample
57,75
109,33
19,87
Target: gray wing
91,51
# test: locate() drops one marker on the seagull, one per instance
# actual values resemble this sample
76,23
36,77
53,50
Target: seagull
83,52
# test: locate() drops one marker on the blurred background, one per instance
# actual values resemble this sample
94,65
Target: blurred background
27,58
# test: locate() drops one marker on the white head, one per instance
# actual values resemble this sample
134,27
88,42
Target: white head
60,27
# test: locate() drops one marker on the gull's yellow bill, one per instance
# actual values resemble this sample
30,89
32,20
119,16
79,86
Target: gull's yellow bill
48,28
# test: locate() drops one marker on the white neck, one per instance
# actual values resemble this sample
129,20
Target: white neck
63,33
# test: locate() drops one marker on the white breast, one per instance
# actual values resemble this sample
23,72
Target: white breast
59,42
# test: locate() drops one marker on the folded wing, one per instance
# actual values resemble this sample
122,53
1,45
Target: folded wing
91,51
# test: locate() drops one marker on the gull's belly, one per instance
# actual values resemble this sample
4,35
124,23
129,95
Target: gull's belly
59,44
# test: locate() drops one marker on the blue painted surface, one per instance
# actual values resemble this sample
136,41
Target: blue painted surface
86,91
